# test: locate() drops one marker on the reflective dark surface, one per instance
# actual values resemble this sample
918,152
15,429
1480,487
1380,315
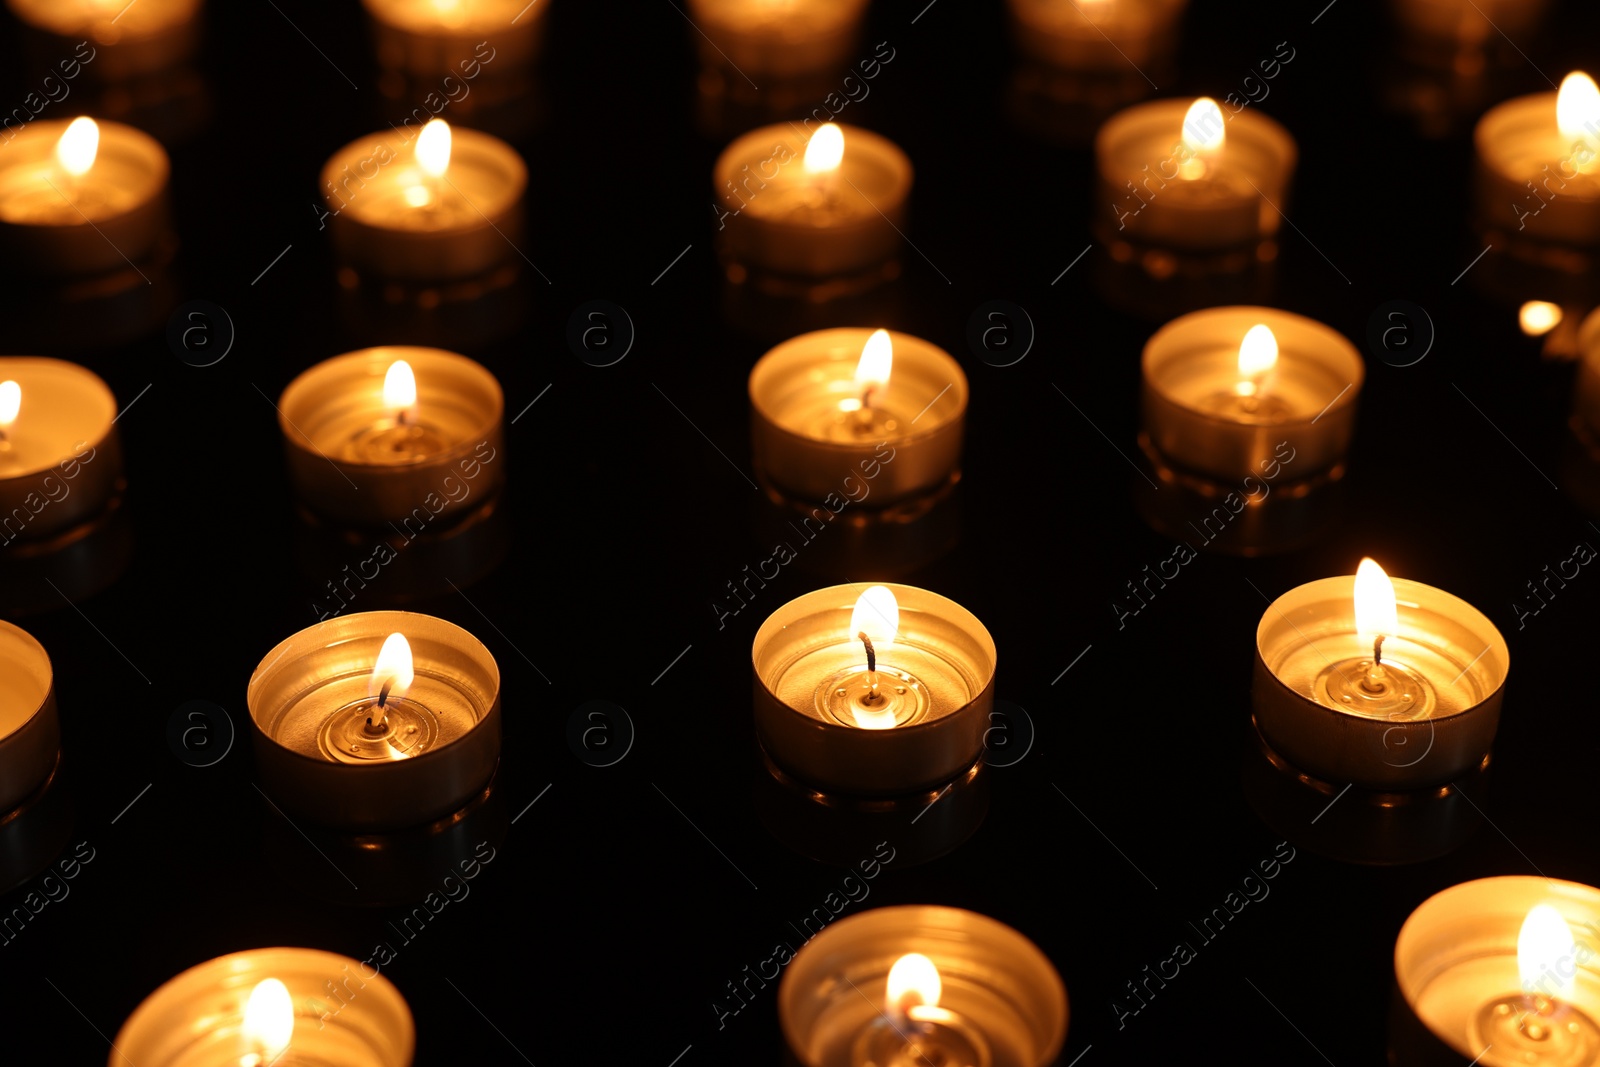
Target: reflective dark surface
619,905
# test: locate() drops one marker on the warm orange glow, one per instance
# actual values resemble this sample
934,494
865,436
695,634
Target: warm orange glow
1258,355
1578,108
1376,613
1204,130
10,403
399,387
393,667
825,149
877,615
269,1019
433,148
877,360
1546,954
1539,317
78,146
913,983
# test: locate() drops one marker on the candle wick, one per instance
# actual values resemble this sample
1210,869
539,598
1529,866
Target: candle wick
872,656
1377,651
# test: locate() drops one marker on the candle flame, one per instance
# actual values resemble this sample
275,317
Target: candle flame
877,360
433,148
78,146
399,387
1376,613
1547,954
10,403
1258,355
1204,128
913,983
1539,317
393,667
1578,108
825,149
877,615
269,1018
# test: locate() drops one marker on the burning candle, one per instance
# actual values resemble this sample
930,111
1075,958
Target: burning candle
30,734
875,690
436,37
376,720
1183,176
1351,688
1539,165
444,204
60,461
828,206
1230,393
833,407
776,38
128,39
387,435
1502,971
927,985
80,197
273,1005
1096,35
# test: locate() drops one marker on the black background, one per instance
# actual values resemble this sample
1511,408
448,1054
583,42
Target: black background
607,924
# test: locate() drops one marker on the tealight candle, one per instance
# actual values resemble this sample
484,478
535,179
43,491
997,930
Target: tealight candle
376,720
1539,165
875,690
1230,392
1179,175
384,434
831,407
776,38
60,460
1351,688
1502,971
446,205
824,206
1468,25
428,37
128,39
80,197
922,985
1096,35
30,734
286,1006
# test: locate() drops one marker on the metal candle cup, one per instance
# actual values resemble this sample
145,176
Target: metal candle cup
469,222
998,990
60,460
198,1018
1230,205
308,691
1533,182
808,447
30,734
426,38
1308,651
352,459
54,224
1191,410
1099,35
776,40
127,40
1458,974
942,663
776,217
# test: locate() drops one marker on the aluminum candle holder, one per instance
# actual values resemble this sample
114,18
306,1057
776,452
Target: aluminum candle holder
60,459
822,427
215,1014
975,992
778,41
1101,37
425,206
84,202
1538,170
30,733
326,751
1425,717
368,446
115,42
908,716
429,39
1499,972
840,215
1189,183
